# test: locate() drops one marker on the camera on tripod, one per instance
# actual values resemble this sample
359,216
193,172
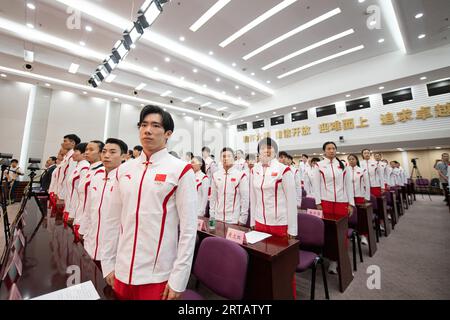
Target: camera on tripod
34,164
5,159
414,161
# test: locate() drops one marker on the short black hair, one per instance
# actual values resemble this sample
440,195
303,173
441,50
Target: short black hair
227,149
327,143
283,154
138,148
173,153
53,158
250,156
315,160
306,156
14,160
81,147
362,151
73,137
99,143
166,118
190,154
290,157
122,145
130,153
206,149
268,142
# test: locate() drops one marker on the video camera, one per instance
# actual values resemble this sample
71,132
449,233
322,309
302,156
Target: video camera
34,164
414,161
5,159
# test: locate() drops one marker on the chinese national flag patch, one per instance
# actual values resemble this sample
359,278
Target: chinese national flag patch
160,177
233,179
274,174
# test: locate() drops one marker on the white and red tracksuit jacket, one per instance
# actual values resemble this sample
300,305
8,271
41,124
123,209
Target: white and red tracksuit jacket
273,200
393,176
240,164
360,182
151,222
54,182
67,166
83,191
308,175
332,183
81,170
202,185
99,192
403,176
298,184
229,196
375,172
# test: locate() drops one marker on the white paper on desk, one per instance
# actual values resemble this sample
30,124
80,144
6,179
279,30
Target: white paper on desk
256,236
82,291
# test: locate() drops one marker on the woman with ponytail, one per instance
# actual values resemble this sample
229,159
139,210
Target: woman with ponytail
333,189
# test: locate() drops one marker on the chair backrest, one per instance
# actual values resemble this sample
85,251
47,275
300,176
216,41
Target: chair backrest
435,182
303,192
353,219
421,182
221,265
374,202
311,231
388,196
308,203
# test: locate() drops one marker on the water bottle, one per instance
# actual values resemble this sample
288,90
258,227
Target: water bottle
212,223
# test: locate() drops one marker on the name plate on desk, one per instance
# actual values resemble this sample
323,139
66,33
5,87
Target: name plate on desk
235,235
315,212
201,225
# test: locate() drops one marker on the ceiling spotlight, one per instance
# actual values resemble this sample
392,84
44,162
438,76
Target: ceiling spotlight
116,99
294,108
31,6
234,64
268,81
182,38
47,85
274,112
84,92
181,78
373,22
421,36
194,70
423,78
184,114
253,93
82,43
167,59
257,117
242,120
210,53
419,15
236,87
381,40
218,79
348,95
155,68
30,25
223,92
205,86
88,28
3,75
252,73
380,88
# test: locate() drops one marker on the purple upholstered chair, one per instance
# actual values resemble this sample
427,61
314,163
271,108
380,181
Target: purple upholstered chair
311,233
308,203
221,265
355,237
423,185
376,217
390,208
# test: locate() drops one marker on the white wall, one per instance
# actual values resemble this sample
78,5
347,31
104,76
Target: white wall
71,113
13,110
376,133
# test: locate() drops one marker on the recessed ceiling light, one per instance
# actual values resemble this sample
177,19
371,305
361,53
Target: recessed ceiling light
309,65
181,38
116,99
165,94
274,112
257,117
140,86
419,15
3,75
234,64
390,100
421,36
373,22
187,99
293,32
361,1
308,48
348,95
240,98
206,104
211,53
205,86
438,147
252,73
268,81
88,28
167,59
236,87
294,108
110,78
82,43
30,25
73,68
381,88
218,79
47,85
184,114
209,14
223,92
253,93
266,15
201,117
381,40
423,78
84,92
242,120
182,78
194,70
155,68
31,6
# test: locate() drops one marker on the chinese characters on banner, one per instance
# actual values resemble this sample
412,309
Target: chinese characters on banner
403,116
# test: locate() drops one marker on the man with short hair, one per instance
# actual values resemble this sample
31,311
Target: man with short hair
240,160
113,153
151,221
67,166
137,150
442,169
12,174
229,191
46,177
376,175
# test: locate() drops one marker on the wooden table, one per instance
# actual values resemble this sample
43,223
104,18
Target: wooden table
335,249
49,251
382,214
272,264
365,225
